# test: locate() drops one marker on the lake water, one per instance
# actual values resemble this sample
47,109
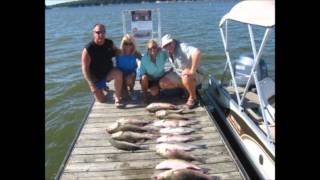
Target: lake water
67,30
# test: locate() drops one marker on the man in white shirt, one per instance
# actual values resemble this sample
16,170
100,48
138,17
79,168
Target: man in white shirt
184,60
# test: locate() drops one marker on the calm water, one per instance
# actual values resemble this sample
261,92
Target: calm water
67,30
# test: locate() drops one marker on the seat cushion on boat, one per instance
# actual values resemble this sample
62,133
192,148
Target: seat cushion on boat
251,99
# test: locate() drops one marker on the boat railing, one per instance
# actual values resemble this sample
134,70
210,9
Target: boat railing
263,104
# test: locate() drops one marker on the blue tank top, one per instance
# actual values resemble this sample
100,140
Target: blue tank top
126,63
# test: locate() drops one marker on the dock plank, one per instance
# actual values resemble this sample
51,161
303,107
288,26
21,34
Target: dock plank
112,157
135,174
93,157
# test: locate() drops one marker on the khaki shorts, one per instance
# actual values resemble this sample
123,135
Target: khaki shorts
176,79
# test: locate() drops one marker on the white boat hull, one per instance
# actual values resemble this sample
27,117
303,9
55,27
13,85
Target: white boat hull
252,141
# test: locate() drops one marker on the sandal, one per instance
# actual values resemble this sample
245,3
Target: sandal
192,103
118,103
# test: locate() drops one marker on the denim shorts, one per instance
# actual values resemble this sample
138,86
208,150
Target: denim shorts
101,84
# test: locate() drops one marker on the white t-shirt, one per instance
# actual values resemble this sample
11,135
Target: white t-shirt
183,57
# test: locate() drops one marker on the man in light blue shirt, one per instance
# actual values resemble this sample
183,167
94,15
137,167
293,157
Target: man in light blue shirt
152,69
184,60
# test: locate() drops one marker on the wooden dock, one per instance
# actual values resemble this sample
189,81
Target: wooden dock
92,156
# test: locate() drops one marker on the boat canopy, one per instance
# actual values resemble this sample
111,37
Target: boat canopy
256,12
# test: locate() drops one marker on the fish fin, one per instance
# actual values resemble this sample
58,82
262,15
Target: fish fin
107,131
186,118
197,138
205,170
202,146
187,111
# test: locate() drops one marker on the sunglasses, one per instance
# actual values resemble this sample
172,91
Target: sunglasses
127,43
153,47
100,32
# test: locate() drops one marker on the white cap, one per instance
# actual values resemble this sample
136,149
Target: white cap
166,39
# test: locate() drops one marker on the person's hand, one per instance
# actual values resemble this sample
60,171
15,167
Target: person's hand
187,73
93,88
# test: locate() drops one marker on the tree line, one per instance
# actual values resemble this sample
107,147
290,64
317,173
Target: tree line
97,2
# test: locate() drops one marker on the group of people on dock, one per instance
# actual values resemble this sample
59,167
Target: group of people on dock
98,68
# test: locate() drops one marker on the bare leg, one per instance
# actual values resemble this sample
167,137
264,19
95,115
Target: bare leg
190,84
124,90
99,96
154,90
144,84
117,76
165,83
130,80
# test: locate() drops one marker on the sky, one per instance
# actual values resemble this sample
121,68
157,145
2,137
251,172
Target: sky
52,2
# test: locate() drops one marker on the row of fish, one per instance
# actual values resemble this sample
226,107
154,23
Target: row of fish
126,132
175,133
131,133
172,132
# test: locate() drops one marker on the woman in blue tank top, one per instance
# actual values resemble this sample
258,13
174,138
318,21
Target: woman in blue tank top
126,61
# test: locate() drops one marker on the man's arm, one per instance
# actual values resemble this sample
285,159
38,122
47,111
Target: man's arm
85,62
142,69
196,55
195,59
116,50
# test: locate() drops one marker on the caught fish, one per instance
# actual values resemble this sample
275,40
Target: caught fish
153,107
179,154
183,174
164,115
177,138
178,146
176,164
123,145
132,136
138,122
174,123
116,127
163,112
178,130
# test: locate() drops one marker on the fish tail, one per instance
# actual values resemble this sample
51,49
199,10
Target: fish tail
144,147
197,138
152,130
155,136
173,106
202,146
194,122
187,111
155,132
